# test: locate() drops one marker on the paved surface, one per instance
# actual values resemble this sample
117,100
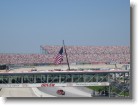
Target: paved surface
17,92
64,67
28,92
69,91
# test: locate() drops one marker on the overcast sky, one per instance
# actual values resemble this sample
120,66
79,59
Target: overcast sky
27,24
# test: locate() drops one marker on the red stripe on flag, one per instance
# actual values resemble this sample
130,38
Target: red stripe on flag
58,59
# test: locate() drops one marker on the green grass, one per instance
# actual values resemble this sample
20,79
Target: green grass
124,93
113,89
98,88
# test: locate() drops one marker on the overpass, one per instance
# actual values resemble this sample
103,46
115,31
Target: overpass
51,78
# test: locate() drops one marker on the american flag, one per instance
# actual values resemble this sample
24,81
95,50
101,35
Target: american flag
59,57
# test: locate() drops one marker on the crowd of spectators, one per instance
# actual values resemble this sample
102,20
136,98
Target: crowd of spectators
89,49
25,58
90,54
76,54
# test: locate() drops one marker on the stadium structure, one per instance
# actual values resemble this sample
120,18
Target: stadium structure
111,81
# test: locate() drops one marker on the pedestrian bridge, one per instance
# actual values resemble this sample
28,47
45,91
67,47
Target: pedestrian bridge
51,78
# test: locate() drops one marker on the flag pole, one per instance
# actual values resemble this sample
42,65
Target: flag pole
66,55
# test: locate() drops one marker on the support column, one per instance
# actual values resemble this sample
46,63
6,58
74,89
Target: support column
72,78
60,78
9,79
47,77
109,85
84,78
34,78
124,84
96,77
22,79
109,90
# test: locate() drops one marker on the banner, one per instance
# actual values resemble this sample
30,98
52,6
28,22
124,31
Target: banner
54,85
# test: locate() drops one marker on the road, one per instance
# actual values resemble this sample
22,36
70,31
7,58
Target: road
28,92
69,91
17,92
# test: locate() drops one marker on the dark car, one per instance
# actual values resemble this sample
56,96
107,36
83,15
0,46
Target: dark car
60,92
104,93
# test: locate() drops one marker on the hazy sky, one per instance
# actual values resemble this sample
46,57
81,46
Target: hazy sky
27,24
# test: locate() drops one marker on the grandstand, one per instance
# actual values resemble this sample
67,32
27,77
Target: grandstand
76,54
